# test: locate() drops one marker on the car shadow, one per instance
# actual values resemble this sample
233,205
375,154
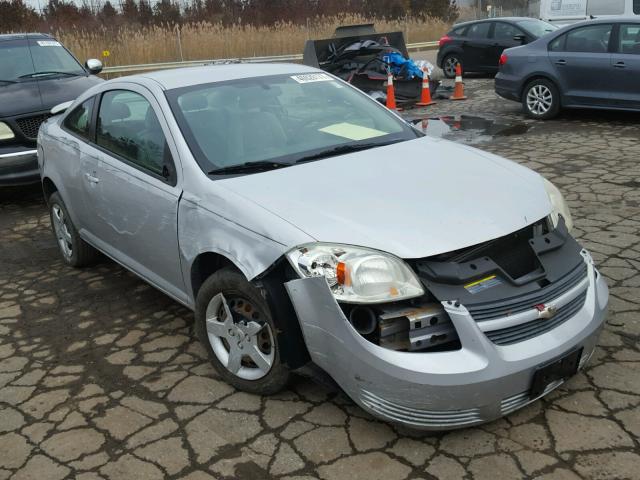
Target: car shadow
22,195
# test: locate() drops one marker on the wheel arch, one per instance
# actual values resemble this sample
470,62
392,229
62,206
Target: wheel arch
205,265
539,76
271,282
48,188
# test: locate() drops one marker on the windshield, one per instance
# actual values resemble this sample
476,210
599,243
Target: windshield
280,119
24,59
537,28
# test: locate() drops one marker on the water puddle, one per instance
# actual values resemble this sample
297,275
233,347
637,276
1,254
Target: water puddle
468,129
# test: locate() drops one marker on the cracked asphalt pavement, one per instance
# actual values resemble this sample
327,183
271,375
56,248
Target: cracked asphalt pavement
101,376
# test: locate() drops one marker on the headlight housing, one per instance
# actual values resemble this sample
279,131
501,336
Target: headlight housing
559,206
5,132
355,274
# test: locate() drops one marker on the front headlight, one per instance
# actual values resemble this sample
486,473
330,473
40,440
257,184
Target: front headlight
5,132
356,274
558,205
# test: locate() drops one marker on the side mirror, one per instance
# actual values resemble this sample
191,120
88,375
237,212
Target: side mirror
94,66
520,39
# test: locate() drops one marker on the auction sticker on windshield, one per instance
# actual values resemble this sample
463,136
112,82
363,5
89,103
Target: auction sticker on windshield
48,43
312,77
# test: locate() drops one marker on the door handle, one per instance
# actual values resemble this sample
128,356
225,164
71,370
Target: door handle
620,65
561,62
91,179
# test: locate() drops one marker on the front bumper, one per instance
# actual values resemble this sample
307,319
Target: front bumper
434,391
18,166
508,86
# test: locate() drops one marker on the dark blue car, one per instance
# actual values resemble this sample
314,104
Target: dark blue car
592,64
36,74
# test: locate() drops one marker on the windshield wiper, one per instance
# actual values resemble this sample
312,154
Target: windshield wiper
8,81
248,167
37,74
342,149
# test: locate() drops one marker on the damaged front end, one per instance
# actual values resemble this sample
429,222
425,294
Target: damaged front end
467,349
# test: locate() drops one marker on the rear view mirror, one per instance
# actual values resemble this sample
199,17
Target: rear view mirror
520,39
94,66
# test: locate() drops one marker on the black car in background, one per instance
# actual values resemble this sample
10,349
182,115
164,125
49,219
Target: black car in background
477,45
36,74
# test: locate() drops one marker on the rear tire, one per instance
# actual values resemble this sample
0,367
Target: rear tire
234,324
449,65
73,249
541,99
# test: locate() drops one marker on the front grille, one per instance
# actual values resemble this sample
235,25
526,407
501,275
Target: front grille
420,417
503,308
29,126
525,331
516,402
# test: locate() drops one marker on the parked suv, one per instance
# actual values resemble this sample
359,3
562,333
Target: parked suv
36,73
477,46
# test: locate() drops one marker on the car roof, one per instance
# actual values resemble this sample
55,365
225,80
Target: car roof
597,21
186,77
612,19
22,36
495,19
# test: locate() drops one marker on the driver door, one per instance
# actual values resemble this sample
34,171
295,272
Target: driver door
581,59
136,188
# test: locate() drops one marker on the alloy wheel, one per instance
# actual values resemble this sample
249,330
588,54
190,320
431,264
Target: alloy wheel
539,100
450,66
240,339
61,229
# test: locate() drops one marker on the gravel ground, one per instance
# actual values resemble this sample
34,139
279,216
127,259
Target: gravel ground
101,376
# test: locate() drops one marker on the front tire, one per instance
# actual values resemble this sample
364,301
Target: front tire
541,99
74,250
234,324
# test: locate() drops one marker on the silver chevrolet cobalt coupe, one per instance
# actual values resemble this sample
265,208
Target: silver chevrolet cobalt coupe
313,230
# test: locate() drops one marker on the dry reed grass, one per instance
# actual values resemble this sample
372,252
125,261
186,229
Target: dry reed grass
201,41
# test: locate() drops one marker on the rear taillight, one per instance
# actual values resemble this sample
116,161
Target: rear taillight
444,40
503,59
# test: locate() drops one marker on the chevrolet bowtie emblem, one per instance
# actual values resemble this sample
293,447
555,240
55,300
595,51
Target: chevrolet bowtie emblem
546,312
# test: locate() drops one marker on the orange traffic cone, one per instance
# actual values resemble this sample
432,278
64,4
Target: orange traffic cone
425,97
391,95
458,91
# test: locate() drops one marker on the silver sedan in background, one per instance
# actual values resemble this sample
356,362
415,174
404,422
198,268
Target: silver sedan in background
313,230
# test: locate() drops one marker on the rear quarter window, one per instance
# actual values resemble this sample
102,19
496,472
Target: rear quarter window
460,31
79,120
479,30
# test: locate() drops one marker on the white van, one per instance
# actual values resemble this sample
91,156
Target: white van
562,12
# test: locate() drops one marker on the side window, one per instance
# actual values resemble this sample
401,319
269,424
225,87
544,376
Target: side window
591,39
636,7
505,31
558,44
479,30
629,39
79,120
460,30
128,126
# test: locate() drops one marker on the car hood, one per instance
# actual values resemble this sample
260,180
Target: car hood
44,94
414,199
